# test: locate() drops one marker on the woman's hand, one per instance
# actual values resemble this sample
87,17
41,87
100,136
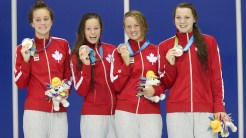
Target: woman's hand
125,54
25,52
149,91
170,56
222,115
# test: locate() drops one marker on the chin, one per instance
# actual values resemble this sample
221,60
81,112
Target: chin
93,42
183,31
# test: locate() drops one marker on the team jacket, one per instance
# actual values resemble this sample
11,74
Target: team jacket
52,61
195,90
126,78
101,99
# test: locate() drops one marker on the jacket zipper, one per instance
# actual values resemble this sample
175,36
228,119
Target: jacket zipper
105,75
47,60
95,93
191,81
141,75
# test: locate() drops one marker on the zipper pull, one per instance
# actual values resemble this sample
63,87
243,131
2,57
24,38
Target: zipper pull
138,44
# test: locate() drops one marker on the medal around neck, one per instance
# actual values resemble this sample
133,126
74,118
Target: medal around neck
121,47
27,42
30,46
178,51
84,49
87,50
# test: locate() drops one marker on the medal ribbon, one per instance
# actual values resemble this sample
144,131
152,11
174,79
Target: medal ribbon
187,45
141,48
33,49
101,51
92,54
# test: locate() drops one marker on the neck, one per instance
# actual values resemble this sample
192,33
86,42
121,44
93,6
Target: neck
140,39
42,36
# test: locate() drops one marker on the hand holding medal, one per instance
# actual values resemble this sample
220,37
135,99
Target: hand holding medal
27,44
175,51
178,51
84,54
125,54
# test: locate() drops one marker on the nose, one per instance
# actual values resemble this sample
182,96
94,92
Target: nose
182,20
93,31
133,28
42,21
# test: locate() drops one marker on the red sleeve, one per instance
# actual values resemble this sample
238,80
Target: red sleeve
119,72
216,76
22,70
67,74
167,72
81,78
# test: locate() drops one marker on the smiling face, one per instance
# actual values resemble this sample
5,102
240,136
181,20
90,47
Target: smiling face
92,30
42,23
184,20
133,29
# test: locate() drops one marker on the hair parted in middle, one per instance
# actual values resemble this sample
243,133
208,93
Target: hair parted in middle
198,38
139,16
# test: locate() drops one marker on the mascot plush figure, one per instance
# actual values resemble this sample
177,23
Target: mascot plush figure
145,82
222,126
57,91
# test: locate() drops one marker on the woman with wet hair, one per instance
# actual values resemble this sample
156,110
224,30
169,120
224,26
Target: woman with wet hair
90,64
197,92
38,60
136,116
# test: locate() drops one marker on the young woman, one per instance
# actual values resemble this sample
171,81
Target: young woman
136,116
197,92
48,58
90,64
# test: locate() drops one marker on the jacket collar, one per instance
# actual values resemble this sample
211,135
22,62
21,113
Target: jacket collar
40,42
93,46
183,36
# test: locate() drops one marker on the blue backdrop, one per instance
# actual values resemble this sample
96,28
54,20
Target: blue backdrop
216,18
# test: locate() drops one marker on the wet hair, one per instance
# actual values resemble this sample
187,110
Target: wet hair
139,16
81,40
80,37
198,38
39,4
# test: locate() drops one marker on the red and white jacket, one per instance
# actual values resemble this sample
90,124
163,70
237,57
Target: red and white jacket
101,100
194,89
52,61
126,78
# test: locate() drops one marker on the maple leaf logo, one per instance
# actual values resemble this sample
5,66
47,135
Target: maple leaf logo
152,58
108,58
57,56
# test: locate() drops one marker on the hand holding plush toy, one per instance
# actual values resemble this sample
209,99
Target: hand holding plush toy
58,92
222,126
151,79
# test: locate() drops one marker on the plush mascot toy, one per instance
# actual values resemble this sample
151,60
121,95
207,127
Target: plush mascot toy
151,79
57,91
222,126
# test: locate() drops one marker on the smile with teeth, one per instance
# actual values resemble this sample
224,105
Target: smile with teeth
93,38
43,27
183,26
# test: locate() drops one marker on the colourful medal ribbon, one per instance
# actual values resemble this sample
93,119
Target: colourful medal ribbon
101,51
141,48
187,45
92,54
33,49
